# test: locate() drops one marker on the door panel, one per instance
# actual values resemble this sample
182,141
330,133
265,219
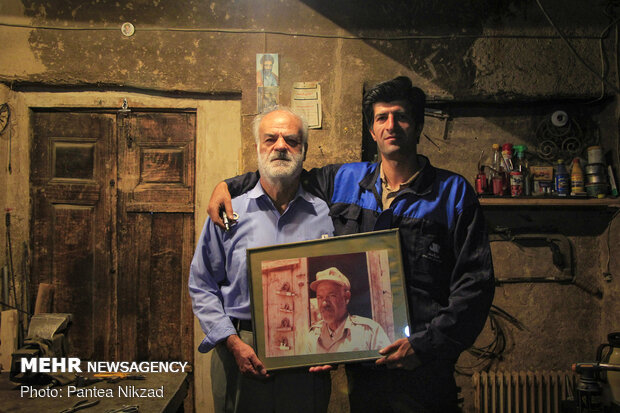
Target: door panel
155,218
72,205
157,161
72,266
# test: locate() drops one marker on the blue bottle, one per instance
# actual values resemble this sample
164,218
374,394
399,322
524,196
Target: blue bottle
562,179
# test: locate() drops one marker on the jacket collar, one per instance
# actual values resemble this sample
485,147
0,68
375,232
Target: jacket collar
420,186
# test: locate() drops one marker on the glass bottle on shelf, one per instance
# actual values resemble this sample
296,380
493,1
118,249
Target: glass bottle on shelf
497,172
507,154
521,164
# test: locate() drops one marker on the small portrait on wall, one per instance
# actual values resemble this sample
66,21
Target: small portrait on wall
267,70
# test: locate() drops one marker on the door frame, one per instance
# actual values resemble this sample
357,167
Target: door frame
218,150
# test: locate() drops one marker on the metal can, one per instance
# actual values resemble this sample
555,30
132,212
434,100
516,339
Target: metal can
595,154
481,183
516,183
498,185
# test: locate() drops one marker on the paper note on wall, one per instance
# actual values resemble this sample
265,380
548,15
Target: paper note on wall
306,99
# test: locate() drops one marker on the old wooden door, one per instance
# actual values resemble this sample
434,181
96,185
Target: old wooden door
112,199
73,169
156,232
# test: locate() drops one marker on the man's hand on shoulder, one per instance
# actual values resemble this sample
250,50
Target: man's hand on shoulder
399,355
247,361
220,200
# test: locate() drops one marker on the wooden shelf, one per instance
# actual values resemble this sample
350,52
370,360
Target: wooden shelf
551,202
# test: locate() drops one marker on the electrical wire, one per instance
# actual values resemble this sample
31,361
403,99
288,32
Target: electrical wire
572,49
610,12
493,351
611,221
15,308
604,34
617,60
301,34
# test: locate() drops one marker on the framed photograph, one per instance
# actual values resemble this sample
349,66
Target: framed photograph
335,300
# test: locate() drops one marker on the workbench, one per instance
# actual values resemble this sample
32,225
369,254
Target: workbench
158,392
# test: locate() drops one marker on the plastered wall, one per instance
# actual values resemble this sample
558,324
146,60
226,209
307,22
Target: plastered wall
503,53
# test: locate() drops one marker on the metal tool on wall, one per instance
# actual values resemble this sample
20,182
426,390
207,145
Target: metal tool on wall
562,256
5,117
561,249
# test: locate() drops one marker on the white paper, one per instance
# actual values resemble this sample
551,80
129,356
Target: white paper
306,99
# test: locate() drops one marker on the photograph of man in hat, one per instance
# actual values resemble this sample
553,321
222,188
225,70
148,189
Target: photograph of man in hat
339,331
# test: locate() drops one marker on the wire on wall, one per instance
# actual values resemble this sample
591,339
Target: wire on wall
607,273
494,351
301,34
611,13
572,49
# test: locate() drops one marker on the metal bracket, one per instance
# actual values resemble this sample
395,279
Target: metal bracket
561,249
124,112
124,108
439,114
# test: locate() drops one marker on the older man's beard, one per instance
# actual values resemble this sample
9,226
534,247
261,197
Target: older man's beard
280,165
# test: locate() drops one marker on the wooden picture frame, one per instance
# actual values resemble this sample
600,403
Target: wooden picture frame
289,323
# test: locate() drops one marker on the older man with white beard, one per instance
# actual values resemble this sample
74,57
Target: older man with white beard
277,210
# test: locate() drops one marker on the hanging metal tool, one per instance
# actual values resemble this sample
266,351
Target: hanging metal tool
561,251
124,113
9,257
439,114
5,116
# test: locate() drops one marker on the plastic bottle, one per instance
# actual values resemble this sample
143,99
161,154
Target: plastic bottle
562,179
516,178
576,179
481,182
516,183
507,154
497,174
521,164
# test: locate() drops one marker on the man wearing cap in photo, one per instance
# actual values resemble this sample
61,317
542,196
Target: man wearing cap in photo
338,330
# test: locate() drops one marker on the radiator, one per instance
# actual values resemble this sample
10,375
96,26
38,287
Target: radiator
522,391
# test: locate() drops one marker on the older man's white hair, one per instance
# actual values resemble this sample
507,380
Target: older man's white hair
259,118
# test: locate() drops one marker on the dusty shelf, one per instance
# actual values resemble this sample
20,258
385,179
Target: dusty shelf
551,202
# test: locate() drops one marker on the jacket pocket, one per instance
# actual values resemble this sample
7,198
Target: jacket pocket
425,257
346,218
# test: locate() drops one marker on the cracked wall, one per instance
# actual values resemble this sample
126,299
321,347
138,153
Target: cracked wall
495,52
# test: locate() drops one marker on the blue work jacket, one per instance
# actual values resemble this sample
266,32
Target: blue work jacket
446,253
